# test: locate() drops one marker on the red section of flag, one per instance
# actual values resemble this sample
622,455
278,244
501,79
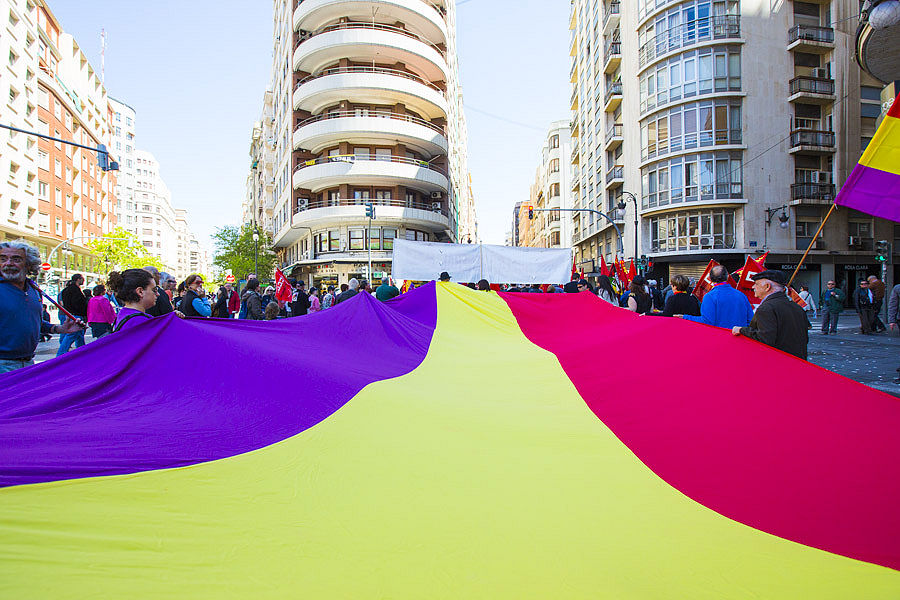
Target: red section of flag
745,284
574,270
604,269
283,291
793,295
704,284
632,272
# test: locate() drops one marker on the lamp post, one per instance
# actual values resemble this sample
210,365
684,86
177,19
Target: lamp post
256,249
621,206
783,220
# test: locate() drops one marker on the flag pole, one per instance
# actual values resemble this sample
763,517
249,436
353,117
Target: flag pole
813,241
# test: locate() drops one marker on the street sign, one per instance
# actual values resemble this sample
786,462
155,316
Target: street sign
229,279
45,266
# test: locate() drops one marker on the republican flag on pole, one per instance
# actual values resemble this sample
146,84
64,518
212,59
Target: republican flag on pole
874,185
283,291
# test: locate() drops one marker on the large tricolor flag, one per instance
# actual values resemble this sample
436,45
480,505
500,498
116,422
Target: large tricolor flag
874,185
446,444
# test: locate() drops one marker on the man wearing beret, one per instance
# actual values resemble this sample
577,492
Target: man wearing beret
779,322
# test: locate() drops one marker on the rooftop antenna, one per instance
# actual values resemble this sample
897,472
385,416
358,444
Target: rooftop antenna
103,56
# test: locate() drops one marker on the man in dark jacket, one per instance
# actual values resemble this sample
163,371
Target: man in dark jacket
253,300
73,300
300,303
351,291
779,322
163,305
864,300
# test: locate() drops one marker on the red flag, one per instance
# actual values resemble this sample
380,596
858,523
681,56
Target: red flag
283,291
604,269
574,270
632,272
761,261
745,284
793,295
704,284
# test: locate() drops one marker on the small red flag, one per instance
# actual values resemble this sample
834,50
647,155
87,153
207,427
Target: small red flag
704,284
793,295
283,291
745,284
604,269
632,272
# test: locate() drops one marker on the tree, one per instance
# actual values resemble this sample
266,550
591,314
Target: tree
236,250
124,252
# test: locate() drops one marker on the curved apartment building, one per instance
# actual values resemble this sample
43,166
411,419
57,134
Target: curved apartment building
374,116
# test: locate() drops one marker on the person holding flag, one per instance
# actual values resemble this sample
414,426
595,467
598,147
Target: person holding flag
722,305
779,322
283,291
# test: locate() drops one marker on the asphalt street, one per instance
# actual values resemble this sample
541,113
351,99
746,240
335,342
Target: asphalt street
869,359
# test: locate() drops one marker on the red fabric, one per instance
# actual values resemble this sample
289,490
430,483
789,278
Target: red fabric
894,111
604,269
817,465
704,284
793,295
283,291
234,302
745,284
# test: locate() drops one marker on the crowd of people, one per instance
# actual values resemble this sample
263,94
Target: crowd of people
132,296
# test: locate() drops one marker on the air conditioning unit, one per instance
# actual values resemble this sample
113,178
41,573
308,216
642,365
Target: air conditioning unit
821,177
820,73
854,240
436,195
436,206
706,241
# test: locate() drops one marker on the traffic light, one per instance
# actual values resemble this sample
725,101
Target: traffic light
370,210
645,262
102,158
530,212
882,251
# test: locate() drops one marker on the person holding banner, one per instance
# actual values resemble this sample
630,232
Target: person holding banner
21,320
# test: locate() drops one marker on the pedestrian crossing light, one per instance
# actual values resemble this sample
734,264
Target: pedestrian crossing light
370,210
882,251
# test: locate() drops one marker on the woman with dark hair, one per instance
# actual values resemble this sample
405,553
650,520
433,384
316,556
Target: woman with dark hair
136,290
220,308
100,313
180,291
605,290
484,286
194,302
639,300
680,302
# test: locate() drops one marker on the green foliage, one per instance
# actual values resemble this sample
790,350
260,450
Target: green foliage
125,252
235,250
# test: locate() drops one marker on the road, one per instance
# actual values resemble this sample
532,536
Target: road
869,359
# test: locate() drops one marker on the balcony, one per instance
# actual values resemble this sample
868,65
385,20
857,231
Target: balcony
612,57
611,17
812,193
809,141
369,170
364,126
615,176
811,39
693,32
812,90
419,15
333,212
613,97
367,42
614,137
573,102
371,85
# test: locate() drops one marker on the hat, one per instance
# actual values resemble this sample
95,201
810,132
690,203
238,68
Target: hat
772,275
445,276
639,280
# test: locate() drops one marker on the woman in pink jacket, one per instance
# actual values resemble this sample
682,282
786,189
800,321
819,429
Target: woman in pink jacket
100,313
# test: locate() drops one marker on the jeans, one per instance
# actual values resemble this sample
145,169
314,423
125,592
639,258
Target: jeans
7,364
67,339
100,329
867,319
877,325
831,318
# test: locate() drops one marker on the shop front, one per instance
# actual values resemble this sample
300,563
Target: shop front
335,273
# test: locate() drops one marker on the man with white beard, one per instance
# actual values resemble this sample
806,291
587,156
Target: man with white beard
21,320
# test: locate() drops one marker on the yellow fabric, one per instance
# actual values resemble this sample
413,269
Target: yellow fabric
481,474
883,152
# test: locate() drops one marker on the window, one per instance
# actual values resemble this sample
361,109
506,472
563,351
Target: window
692,230
58,196
554,142
694,125
57,168
43,160
417,236
387,237
43,191
554,165
702,71
691,178
375,238
58,226
357,239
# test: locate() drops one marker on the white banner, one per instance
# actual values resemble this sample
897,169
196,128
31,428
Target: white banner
424,261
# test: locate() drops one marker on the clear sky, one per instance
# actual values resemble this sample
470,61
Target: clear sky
195,72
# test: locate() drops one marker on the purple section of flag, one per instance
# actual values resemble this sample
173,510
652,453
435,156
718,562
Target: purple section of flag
173,392
873,192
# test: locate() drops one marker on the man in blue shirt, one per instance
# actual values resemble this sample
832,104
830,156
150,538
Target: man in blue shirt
21,320
723,306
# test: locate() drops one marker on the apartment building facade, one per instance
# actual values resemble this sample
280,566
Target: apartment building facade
121,145
364,107
52,192
732,123
552,189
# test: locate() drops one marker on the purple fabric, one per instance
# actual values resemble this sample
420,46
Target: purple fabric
872,191
172,392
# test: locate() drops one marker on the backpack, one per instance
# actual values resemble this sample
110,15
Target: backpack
243,312
118,326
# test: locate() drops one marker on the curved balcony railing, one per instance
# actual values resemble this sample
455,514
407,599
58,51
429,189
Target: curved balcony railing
377,70
693,32
367,26
811,33
440,9
354,158
812,85
351,114
434,207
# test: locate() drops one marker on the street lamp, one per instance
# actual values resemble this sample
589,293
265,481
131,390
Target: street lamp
621,206
783,220
256,249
